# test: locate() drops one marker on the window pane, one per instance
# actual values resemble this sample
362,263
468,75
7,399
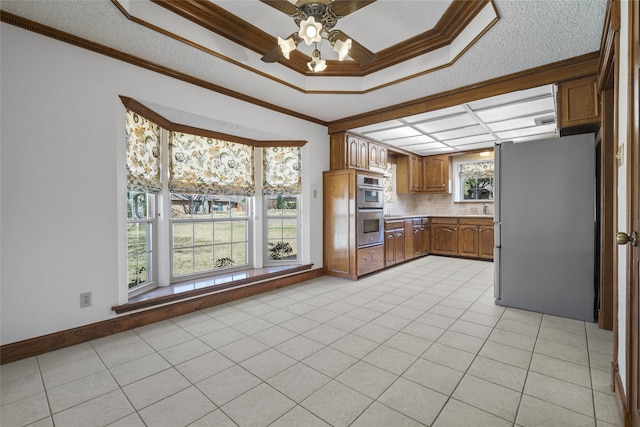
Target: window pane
203,233
239,231
223,256
183,235
136,205
201,206
220,206
290,228
485,188
181,205
274,228
203,259
238,206
222,231
469,189
239,253
137,270
182,261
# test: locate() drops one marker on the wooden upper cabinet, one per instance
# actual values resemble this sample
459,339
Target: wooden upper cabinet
409,174
578,106
352,152
435,173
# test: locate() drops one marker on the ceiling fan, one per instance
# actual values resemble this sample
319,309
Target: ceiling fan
316,19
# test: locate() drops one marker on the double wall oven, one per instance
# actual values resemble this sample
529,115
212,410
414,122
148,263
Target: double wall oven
370,216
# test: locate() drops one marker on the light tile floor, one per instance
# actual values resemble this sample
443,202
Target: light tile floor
419,344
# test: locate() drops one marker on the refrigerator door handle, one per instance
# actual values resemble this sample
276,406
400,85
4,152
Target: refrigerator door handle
496,262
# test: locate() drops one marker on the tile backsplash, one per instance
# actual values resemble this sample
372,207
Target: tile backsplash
427,204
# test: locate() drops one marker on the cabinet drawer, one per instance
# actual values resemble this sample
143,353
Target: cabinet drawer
476,221
394,224
370,259
444,220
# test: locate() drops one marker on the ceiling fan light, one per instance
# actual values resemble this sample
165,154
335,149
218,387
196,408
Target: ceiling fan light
317,65
287,46
342,48
310,31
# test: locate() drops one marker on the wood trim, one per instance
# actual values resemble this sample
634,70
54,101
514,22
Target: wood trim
607,45
580,66
148,113
57,340
218,20
44,30
153,302
618,389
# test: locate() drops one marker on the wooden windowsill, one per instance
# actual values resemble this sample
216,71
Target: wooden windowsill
207,285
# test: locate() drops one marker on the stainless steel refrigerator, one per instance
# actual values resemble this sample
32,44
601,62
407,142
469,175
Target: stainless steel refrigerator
545,226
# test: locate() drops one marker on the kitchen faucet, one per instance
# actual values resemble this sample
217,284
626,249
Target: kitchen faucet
484,208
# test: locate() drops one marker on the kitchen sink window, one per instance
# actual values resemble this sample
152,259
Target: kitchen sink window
281,186
474,181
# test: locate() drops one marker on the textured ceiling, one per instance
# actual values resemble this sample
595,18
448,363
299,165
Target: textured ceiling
528,34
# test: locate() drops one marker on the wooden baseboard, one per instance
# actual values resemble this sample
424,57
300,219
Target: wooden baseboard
618,389
57,340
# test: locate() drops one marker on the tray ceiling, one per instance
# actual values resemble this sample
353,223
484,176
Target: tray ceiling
508,37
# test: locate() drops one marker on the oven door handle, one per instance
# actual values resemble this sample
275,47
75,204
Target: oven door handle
370,210
370,187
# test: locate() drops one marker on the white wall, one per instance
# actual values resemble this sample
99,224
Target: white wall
62,176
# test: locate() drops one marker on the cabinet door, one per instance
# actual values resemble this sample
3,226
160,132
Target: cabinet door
390,247
485,245
426,240
408,239
363,154
400,255
370,260
415,173
382,157
352,152
468,245
436,174
444,239
418,232
374,153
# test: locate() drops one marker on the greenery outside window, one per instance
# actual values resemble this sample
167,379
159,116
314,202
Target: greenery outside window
282,228
209,233
476,181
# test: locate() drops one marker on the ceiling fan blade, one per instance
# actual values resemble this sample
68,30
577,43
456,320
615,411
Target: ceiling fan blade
344,7
282,5
358,53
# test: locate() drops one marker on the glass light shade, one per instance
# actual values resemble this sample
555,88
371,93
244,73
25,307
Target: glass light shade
317,65
342,47
287,46
310,31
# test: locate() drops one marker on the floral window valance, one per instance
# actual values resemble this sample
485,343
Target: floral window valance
143,154
201,165
281,170
479,170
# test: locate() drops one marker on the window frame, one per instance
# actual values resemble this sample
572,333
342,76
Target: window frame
459,181
266,259
152,244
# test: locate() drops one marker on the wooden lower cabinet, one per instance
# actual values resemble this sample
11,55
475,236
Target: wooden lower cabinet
476,238
394,243
370,259
444,236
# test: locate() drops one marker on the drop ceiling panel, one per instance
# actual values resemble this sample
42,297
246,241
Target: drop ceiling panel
456,109
537,106
518,123
448,123
471,140
396,133
513,97
434,151
460,133
520,133
411,140
477,146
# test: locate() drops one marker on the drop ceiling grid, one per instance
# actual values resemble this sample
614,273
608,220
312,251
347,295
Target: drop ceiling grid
473,125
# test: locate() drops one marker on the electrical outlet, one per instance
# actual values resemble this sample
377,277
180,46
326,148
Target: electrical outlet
85,299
